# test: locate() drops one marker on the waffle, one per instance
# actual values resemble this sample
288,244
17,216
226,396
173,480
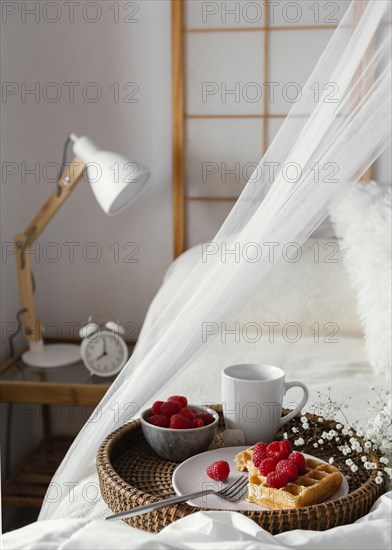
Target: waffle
319,482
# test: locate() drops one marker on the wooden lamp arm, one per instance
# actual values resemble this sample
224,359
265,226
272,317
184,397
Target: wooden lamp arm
70,177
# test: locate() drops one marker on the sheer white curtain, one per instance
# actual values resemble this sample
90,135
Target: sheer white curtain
321,150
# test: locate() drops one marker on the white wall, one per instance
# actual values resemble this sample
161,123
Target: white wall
34,130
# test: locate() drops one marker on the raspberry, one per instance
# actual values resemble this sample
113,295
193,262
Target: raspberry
267,465
288,467
183,401
207,418
273,447
277,480
188,413
170,407
285,446
159,420
259,453
179,422
274,450
299,461
156,408
197,423
219,470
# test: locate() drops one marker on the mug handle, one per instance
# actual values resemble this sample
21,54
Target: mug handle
290,415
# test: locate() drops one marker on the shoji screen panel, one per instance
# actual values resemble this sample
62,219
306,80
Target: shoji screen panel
238,66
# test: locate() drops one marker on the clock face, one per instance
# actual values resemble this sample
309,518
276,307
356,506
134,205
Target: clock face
105,353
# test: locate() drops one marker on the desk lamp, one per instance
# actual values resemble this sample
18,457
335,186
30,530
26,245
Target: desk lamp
115,181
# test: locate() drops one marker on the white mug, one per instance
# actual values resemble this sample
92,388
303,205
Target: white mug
252,399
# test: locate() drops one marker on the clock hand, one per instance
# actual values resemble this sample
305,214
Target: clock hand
104,351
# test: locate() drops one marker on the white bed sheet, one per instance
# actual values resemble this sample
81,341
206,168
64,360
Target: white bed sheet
341,365
340,368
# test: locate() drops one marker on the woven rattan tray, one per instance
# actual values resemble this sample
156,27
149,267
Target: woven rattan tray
131,474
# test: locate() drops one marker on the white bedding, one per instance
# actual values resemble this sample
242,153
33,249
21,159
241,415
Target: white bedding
204,531
339,367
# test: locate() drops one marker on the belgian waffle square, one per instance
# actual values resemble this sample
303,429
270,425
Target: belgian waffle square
319,482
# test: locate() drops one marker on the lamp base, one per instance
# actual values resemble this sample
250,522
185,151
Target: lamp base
52,356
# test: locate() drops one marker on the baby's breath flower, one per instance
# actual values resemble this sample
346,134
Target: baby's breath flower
376,435
285,436
299,442
378,480
331,460
294,430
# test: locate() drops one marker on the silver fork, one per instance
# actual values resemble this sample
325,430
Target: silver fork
231,493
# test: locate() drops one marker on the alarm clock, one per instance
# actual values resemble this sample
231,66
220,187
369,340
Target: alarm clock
103,349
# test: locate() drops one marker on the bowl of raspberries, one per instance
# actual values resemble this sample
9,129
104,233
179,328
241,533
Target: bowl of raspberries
177,430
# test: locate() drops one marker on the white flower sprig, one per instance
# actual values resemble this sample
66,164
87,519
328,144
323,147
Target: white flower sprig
375,437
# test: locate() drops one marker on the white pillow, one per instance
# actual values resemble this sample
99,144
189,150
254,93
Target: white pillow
362,221
313,293
315,289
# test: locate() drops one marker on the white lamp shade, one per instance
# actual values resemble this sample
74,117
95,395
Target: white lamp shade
115,180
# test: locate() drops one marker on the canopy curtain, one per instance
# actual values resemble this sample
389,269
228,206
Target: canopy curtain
286,198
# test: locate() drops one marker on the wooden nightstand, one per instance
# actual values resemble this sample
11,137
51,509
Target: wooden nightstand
69,386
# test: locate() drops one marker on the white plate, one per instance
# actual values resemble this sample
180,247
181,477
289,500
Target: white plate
190,476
